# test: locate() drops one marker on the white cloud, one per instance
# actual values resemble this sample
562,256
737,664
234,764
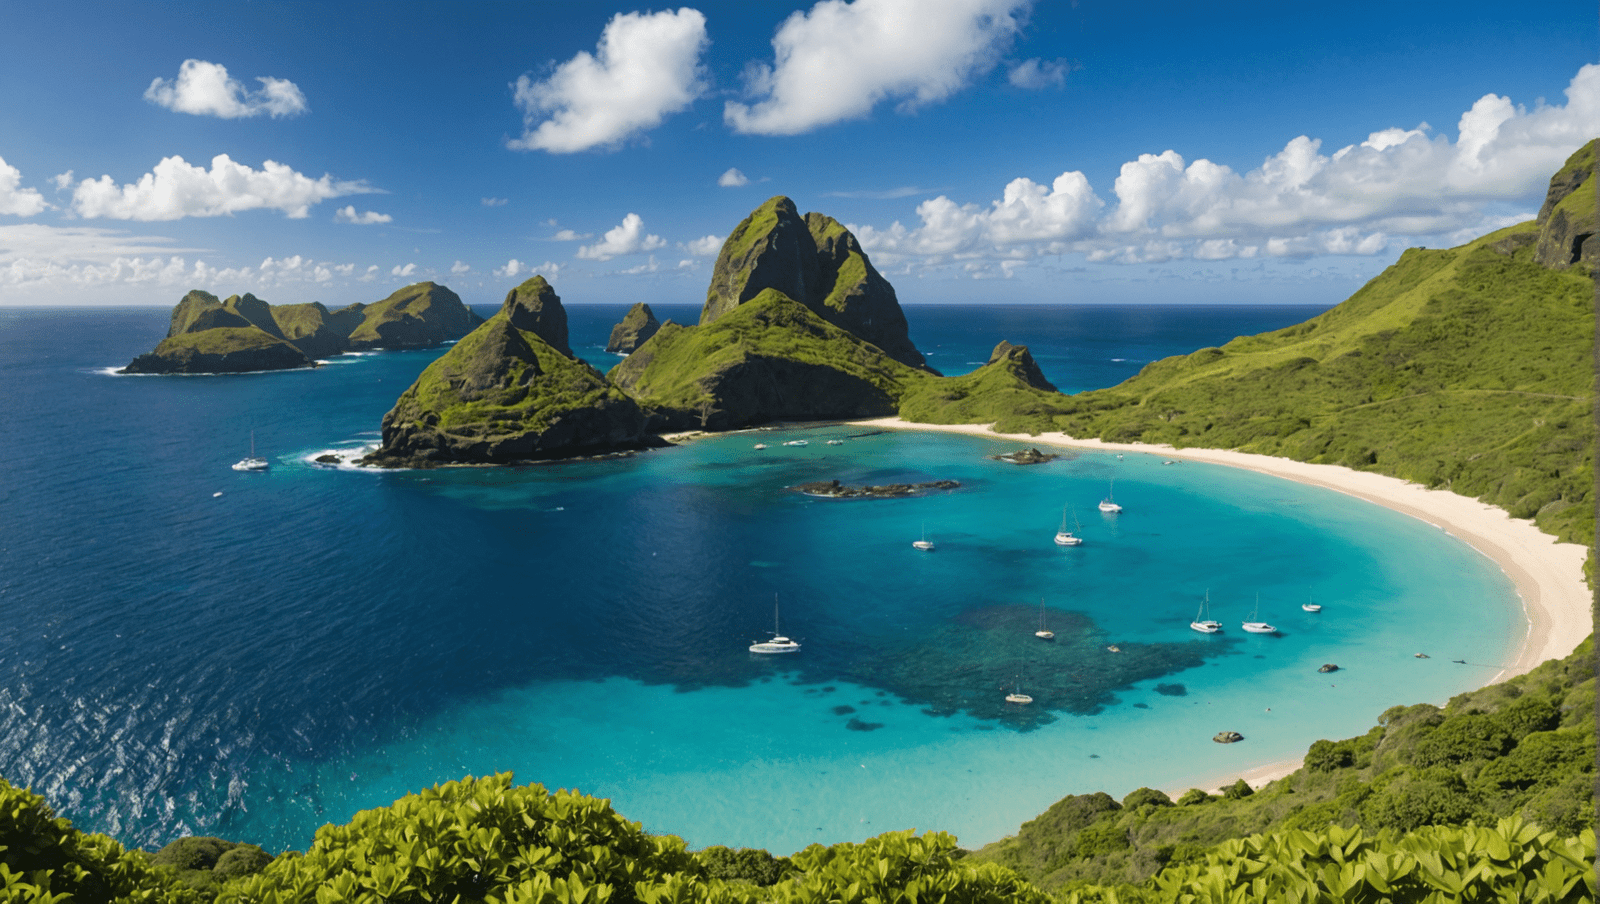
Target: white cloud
14,199
62,181
649,266
628,238
1029,218
515,268
348,214
1031,75
404,271
459,268
705,246
496,202
512,268
647,66
732,178
371,274
175,189
204,89
1360,200
567,235
840,60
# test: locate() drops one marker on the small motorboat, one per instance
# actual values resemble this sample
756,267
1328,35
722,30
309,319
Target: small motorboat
797,442
761,445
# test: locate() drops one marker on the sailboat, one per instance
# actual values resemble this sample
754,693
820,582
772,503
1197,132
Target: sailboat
1108,504
1065,537
1202,619
924,544
1309,606
1043,633
778,643
252,463
1017,696
1258,627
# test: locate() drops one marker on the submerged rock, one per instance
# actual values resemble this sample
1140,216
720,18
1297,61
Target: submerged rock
833,489
1227,737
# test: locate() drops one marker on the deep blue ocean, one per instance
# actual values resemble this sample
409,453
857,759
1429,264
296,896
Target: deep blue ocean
186,649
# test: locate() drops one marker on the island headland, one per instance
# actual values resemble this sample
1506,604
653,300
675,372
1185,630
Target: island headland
242,334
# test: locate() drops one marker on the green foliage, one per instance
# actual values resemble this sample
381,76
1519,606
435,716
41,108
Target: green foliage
480,839
752,865
899,868
1146,796
45,860
1194,796
1238,790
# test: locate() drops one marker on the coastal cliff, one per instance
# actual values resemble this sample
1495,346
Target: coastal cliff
243,333
507,393
636,328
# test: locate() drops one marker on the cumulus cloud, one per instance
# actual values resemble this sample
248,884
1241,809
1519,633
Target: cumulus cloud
512,268
177,189
646,66
496,202
14,199
628,238
403,271
515,268
567,235
348,214
1359,200
1032,75
1028,218
840,60
705,246
204,89
732,178
459,268
649,266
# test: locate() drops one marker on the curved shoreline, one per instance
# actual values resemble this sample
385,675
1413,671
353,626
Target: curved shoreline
1547,574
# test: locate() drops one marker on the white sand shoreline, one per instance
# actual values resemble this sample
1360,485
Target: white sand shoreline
1548,575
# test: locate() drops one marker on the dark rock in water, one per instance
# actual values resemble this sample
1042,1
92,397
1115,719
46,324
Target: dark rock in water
635,329
504,394
813,260
1422,656
1027,457
858,725
843,710
1172,690
1020,363
1227,737
833,489
1567,222
1328,667
329,459
536,308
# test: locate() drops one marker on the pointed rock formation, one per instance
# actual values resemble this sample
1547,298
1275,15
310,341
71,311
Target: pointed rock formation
817,262
635,329
1016,360
1567,219
506,393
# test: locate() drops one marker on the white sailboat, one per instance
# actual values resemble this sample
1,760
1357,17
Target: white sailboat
252,463
778,643
1018,697
1202,619
1258,627
1309,606
1108,504
1065,537
924,544
1043,633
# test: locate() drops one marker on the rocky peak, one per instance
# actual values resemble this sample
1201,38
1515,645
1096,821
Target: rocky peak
534,306
816,261
256,311
1567,219
1017,359
635,329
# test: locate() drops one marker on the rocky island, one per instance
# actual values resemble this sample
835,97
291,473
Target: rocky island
243,334
636,328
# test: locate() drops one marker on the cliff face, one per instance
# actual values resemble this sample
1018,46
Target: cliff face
505,394
536,308
1567,219
243,333
636,328
817,262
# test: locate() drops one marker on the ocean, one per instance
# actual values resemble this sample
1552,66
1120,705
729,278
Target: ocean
186,649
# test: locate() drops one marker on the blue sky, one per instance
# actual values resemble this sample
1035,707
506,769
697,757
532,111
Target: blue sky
983,150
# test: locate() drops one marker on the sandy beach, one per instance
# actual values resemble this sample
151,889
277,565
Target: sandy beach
1548,574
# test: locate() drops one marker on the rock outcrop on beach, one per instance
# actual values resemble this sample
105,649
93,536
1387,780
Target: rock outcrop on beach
244,333
817,262
505,394
636,328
